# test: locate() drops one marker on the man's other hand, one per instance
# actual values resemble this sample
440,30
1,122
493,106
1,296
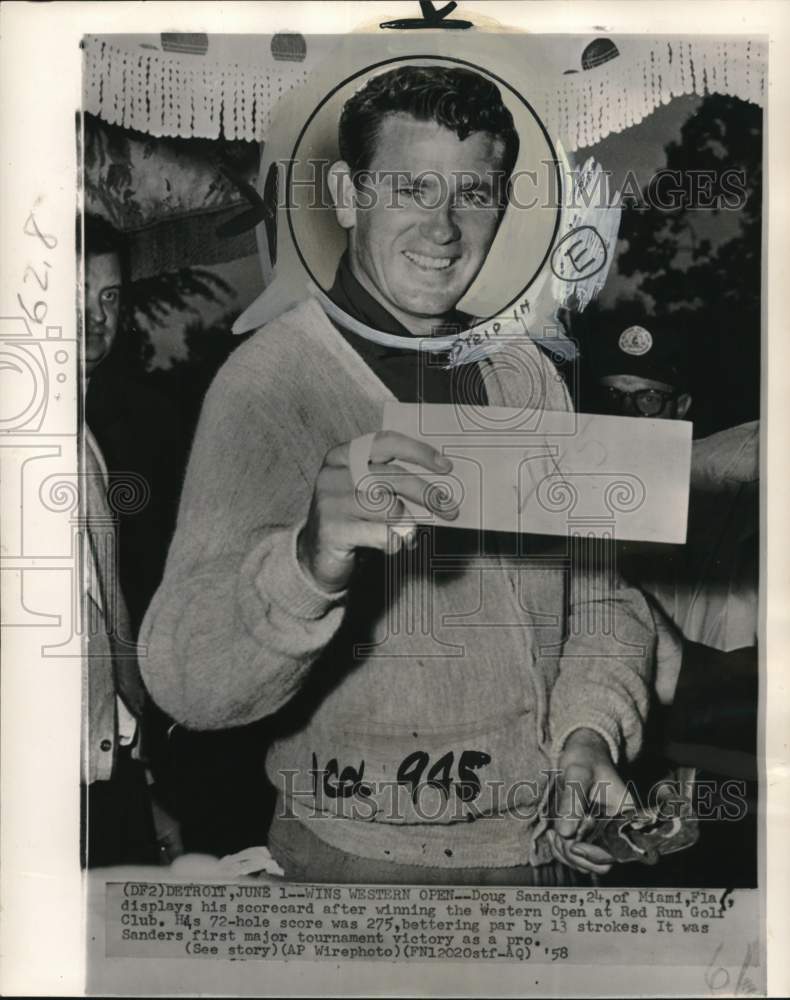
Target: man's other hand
587,775
344,518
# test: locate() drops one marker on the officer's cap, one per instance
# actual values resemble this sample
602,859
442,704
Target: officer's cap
626,340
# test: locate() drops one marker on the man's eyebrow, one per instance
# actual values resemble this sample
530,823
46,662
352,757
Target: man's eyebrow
477,182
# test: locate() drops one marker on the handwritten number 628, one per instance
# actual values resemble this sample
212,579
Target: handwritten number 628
39,309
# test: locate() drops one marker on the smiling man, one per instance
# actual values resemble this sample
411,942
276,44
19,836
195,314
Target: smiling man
421,189
419,234
422,687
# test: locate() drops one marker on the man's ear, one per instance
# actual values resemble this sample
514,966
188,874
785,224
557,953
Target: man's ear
682,405
341,190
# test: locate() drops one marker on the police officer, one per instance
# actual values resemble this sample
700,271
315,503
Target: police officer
636,369
703,594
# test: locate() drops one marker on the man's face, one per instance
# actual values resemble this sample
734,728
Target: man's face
102,306
421,243
658,400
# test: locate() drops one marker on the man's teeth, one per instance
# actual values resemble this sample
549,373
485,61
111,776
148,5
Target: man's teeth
434,263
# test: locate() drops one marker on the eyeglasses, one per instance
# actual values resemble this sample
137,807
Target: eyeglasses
648,402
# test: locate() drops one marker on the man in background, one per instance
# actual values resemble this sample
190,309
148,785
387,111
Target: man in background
198,781
119,824
636,366
704,594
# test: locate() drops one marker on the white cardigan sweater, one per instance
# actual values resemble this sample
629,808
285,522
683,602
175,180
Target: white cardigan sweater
465,647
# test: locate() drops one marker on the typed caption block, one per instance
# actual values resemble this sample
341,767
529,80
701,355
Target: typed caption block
265,921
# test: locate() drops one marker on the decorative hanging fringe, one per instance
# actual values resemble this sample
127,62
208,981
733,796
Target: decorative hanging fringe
187,95
170,94
586,106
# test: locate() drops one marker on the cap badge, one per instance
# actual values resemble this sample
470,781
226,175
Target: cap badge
635,340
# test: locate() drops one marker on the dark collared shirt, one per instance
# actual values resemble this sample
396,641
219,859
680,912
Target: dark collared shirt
412,376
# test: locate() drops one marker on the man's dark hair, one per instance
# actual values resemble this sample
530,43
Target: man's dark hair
459,99
102,237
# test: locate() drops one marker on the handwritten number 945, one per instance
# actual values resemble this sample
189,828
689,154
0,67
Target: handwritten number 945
467,784
38,312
